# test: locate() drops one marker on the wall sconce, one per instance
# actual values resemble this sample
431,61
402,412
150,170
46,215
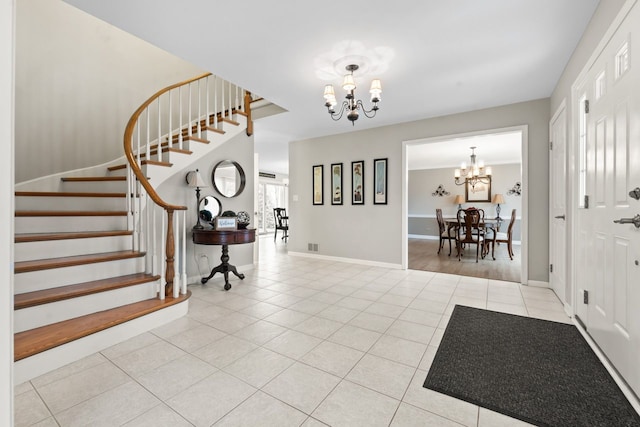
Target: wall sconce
194,180
459,200
440,191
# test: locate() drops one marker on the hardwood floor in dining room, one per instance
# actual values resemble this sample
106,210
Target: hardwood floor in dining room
423,255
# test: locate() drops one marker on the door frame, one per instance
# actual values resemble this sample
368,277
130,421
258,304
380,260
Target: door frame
524,217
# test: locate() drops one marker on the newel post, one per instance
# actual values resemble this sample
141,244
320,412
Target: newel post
170,253
247,109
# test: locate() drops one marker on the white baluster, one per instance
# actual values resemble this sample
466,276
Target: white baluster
159,152
180,118
176,257
199,112
206,101
183,262
154,232
230,102
189,117
222,99
148,148
215,102
162,252
236,104
169,138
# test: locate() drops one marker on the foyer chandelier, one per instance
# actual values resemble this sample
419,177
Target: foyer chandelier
475,173
350,104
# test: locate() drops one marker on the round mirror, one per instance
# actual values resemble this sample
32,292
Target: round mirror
228,178
209,208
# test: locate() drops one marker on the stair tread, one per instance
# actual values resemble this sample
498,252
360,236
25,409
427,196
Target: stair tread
93,178
71,213
45,264
45,296
66,194
39,237
34,341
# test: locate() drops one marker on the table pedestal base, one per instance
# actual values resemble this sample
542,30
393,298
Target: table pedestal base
224,268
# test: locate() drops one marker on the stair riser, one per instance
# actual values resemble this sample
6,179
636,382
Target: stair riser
34,366
41,315
69,223
94,186
28,251
36,203
51,278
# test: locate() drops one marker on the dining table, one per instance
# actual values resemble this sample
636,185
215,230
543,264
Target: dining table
492,224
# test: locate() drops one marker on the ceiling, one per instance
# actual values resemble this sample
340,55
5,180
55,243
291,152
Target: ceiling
493,148
434,57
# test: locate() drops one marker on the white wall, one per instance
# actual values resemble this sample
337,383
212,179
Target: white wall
78,80
7,62
374,232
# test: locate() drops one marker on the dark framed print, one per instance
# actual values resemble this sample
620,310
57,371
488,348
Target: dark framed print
336,183
478,192
380,181
318,189
357,182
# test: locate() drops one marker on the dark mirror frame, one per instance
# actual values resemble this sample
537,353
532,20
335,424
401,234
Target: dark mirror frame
243,178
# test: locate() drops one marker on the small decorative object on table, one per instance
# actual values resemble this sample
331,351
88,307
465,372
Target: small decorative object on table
243,219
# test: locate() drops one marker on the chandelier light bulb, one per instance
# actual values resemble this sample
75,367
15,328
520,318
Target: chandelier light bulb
349,84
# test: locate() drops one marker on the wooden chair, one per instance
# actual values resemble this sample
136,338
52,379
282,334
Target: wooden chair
282,223
469,230
508,236
444,232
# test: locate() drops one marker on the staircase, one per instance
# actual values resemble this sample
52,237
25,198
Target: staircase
87,274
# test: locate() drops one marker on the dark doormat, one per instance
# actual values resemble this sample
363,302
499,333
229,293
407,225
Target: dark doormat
534,370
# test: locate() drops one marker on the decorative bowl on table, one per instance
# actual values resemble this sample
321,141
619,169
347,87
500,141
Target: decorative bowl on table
243,219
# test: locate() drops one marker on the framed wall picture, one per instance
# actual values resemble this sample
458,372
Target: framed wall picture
336,183
318,190
357,182
380,181
480,192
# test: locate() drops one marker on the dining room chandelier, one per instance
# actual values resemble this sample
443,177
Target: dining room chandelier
350,104
474,173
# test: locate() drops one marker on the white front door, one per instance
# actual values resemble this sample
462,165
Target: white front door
558,187
608,270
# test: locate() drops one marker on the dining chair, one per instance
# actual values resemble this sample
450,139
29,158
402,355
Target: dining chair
282,223
445,232
470,230
508,236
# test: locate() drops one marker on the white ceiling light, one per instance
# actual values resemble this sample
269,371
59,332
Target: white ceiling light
350,104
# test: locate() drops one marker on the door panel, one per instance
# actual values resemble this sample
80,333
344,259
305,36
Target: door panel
558,179
609,253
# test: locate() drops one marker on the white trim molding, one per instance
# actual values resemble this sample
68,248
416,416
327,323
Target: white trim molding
349,260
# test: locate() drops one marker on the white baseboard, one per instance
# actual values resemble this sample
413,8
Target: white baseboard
348,260
626,390
423,236
538,284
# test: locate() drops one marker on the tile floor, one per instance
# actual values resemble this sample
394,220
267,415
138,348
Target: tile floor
299,342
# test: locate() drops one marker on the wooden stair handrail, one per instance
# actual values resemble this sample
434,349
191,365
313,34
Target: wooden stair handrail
128,144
